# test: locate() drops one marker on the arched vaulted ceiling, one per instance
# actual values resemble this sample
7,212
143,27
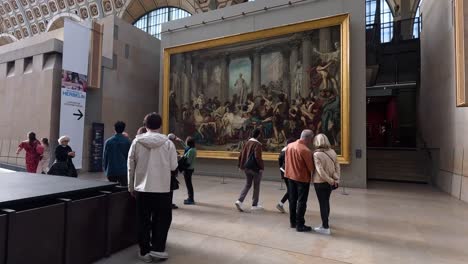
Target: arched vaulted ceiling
25,18
134,9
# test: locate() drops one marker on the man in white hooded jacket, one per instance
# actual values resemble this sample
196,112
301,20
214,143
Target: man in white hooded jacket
151,159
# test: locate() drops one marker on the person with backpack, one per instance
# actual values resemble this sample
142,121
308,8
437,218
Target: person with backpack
326,178
174,173
251,163
281,162
189,158
33,155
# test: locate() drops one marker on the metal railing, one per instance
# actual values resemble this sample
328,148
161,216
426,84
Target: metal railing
8,155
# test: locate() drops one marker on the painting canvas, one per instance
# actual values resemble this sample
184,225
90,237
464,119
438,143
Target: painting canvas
281,81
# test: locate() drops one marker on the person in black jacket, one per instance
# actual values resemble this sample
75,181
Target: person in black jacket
281,162
63,165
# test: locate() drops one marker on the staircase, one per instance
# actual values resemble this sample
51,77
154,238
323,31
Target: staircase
405,165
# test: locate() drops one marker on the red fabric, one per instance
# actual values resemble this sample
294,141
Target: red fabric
315,78
392,115
32,155
40,150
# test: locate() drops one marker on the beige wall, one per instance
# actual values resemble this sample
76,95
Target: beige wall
130,89
444,126
28,99
129,83
31,101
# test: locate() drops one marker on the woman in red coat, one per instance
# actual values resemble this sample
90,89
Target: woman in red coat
33,155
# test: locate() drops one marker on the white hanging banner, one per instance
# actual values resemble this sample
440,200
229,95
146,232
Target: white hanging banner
76,45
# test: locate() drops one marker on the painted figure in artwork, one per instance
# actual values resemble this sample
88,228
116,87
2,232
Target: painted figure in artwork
298,78
241,87
329,68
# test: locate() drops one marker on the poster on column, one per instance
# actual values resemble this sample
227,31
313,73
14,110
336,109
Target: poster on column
280,81
74,85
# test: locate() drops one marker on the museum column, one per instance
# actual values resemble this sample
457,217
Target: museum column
201,78
286,73
306,64
205,77
195,91
293,59
179,80
325,44
256,71
188,77
223,93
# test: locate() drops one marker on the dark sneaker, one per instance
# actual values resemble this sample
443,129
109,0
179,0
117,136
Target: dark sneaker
293,225
189,201
280,208
303,228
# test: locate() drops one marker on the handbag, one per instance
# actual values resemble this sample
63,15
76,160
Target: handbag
174,181
251,162
182,164
71,169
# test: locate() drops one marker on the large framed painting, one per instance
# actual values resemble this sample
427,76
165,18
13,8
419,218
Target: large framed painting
280,80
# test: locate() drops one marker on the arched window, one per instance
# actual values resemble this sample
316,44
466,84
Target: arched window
151,21
386,19
417,22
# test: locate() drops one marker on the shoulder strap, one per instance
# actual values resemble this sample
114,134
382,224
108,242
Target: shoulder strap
333,161
329,157
252,151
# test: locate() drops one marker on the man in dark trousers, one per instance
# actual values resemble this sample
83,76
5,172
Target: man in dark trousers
151,159
115,155
251,162
299,168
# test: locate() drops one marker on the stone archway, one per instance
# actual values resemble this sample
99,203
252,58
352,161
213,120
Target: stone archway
6,38
134,9
58,20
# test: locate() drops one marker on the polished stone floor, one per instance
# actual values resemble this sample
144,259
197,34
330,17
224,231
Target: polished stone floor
387,223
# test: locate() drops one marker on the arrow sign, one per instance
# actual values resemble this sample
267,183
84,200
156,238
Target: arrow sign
79,114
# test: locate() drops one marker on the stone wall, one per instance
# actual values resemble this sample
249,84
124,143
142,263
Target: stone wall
444,126
29,91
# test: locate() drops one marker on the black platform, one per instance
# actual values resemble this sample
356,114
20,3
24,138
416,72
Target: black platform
21,187
54,219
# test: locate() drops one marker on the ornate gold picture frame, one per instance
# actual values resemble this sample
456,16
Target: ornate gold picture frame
280,80
460,61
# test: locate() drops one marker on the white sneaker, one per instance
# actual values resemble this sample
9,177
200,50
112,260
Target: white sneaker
256,208
280,208
145,258
323,231
239,206
159,255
